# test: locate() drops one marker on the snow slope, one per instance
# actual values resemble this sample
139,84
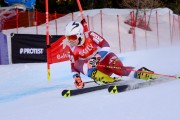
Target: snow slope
26,94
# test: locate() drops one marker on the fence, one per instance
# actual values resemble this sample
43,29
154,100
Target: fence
164,28
28,19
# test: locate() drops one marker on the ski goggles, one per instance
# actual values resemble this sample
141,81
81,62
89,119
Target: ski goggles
72,37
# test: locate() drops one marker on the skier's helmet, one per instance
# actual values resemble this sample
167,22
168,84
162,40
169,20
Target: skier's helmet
74,33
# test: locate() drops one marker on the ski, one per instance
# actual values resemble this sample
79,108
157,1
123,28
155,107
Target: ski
129,85
73,92
117,88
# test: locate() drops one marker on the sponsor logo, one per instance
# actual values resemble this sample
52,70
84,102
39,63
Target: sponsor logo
86,50
112,59
30,51
96,37
62,56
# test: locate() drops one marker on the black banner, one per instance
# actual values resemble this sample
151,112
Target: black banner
28,48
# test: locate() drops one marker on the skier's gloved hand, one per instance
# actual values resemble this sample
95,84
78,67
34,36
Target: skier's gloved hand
78,82
92,63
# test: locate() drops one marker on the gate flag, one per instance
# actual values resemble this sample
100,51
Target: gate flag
58,51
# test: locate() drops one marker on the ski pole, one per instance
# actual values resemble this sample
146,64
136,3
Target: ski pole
122,68
82,15
80,8
115,78
91,82
88,82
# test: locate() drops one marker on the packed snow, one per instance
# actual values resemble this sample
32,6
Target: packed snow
26,94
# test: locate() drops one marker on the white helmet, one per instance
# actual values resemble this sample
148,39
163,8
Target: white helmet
74,33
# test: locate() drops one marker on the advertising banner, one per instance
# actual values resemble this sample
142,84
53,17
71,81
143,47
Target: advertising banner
29,48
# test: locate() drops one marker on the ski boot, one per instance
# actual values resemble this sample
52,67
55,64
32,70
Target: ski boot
145,74
101,78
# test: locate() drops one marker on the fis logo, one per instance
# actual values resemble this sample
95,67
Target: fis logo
30,51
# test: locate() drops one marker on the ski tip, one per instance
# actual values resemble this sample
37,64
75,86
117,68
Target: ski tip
66,93
117,88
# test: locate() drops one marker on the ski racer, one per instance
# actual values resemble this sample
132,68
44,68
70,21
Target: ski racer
90,55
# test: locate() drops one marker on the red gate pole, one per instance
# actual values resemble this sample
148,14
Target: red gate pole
55,16
157,28
133,22
101,23
145,27
172,30
88,21
82,15
36,18
72,16
47,40
17,20
170,26
179,26
119,33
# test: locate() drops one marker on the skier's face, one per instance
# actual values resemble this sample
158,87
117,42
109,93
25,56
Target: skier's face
73,40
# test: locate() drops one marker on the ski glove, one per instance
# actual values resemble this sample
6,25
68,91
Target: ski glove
79,84
92,63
